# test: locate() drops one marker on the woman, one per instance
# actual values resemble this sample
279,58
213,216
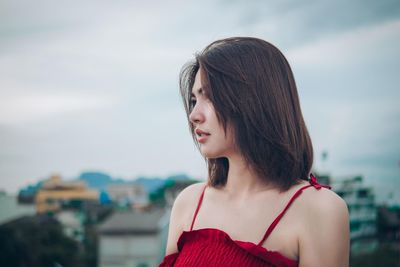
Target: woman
260,205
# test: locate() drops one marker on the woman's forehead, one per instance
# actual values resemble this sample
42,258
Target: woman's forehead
200,86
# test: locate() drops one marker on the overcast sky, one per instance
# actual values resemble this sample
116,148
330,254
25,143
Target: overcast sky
93,85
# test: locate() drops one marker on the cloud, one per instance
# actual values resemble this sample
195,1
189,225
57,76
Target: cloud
349,48
23,108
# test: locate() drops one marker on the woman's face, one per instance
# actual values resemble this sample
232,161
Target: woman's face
209,132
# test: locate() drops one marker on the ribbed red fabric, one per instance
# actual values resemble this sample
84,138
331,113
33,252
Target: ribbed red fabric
214,247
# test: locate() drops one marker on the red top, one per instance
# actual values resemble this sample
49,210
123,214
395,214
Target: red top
214,247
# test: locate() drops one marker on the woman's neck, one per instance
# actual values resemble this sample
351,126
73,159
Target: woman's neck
242,180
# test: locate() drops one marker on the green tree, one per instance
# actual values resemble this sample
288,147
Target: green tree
37,241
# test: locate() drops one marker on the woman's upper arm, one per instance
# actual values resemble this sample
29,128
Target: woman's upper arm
325,239
182,209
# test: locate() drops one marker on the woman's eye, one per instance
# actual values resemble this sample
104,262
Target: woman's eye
192,102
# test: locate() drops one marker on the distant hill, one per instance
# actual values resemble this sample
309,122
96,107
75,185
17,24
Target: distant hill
100,181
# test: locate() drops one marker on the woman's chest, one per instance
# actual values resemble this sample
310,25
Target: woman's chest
250,221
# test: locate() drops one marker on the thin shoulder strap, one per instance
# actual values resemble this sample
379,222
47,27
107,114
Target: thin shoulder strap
198,207
313,183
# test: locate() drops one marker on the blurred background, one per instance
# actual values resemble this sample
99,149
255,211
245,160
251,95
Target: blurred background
94,143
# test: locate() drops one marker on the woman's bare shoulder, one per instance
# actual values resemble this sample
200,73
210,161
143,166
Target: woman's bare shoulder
319,204
325,227
321,199
189,195
185,203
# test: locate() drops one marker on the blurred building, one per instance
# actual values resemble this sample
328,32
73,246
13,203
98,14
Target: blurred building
56,192
130,239
128,194
360,200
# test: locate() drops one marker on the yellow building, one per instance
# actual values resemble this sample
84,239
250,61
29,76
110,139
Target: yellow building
54,192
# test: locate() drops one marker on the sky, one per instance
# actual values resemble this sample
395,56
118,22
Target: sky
93,85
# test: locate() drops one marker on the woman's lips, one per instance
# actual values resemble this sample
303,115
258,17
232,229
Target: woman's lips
203,138
200,132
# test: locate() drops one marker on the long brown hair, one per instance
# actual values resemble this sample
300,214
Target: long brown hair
252,88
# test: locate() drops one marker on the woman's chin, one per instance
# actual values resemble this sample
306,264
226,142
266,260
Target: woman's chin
210,154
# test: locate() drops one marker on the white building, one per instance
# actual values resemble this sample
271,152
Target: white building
131,239
128,194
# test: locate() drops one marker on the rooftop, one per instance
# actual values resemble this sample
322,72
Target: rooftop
134,223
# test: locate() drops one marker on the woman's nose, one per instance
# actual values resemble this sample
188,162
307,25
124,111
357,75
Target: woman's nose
196,116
